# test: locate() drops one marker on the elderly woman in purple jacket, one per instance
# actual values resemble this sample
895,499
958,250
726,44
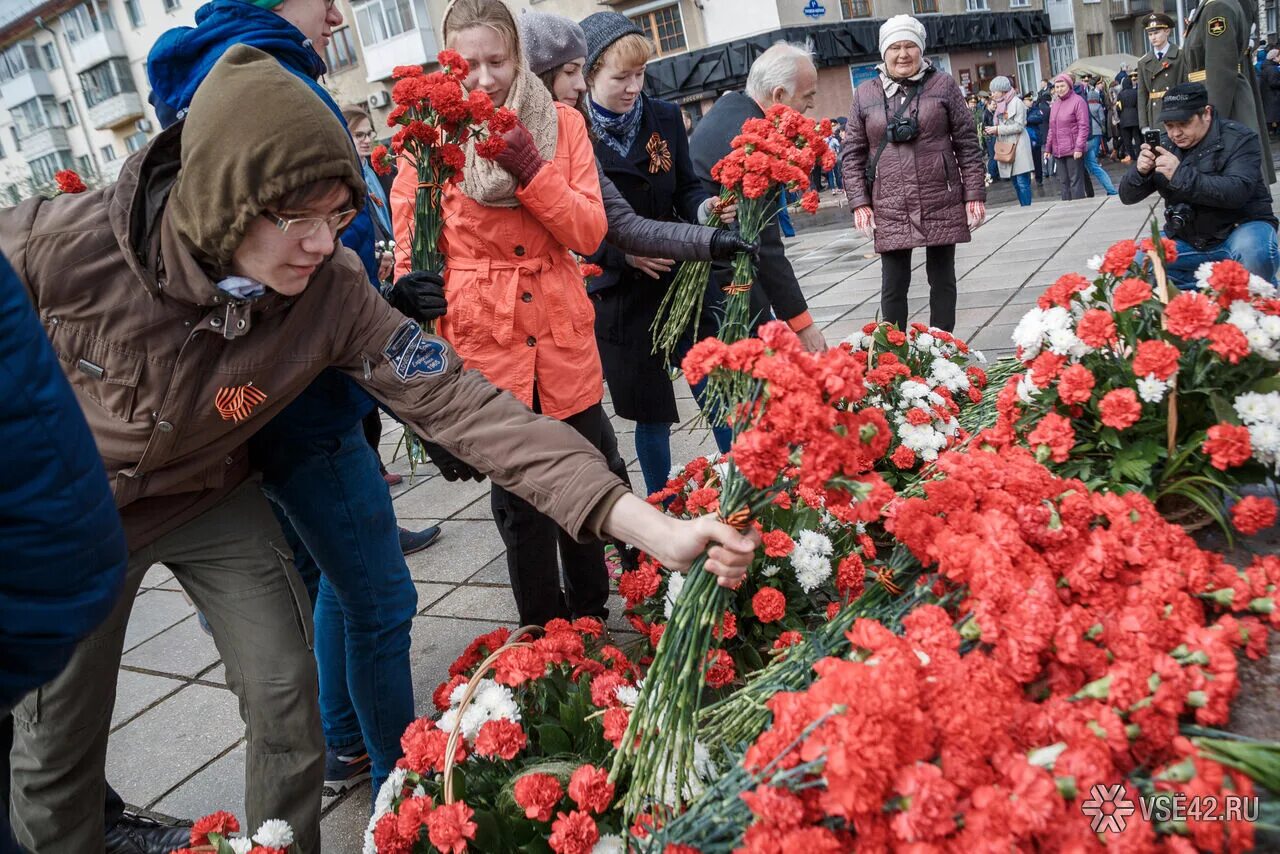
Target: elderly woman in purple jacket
913,171
1068,136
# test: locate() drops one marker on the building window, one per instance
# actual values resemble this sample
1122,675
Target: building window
108,152
68,114
976,6
13,193
134,11
924,7
664,27
341,51
43,168
134,141
172,5
1124,41
86,20
35,115
84,165
1062,51
17,60
106,80
855,8
1094,44
17,140
49,51
1028,68
1014,4
379,20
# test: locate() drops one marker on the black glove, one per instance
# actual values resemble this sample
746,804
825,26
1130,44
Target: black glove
450,466
419,296
725,244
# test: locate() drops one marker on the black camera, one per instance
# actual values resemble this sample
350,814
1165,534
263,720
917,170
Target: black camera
1151,138
902,129
1178,219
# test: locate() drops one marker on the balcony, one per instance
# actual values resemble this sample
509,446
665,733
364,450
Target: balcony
44,141
116,110
1061,15
1123,9
412,47
96,49
31,83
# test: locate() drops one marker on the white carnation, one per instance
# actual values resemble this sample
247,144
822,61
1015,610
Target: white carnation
1243,315
240,845
1029,334
1270,324
1257,338
627,695
274,833
1151,390
1094,264
610,843
912,389
1260,287
675,583
1203,272
387,794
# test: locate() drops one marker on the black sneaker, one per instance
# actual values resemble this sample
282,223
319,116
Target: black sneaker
412,542
136,834
345,768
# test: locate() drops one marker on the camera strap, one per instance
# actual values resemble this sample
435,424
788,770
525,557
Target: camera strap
884,140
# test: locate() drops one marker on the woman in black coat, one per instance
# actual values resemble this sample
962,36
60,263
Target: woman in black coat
1270,86
1130,119
642,147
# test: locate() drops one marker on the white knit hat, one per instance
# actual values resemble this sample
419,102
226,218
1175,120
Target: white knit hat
900,28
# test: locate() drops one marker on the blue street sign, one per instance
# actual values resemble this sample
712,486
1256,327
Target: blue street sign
815,9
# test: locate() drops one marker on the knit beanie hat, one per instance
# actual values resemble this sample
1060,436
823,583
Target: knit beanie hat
550,40
1001,84
1064,77
603,29
900,28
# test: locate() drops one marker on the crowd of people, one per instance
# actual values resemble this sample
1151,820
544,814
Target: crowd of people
234,366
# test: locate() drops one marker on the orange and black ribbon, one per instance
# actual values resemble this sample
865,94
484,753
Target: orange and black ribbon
235,403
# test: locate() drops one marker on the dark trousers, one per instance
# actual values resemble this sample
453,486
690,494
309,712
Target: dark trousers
895,281
372,425
532,539
1071,173
1037,160
1132,138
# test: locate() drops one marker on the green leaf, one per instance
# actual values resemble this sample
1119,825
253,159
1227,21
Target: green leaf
1222,409
1266,385
489,835
1133,463
571,719
1110,437
553,740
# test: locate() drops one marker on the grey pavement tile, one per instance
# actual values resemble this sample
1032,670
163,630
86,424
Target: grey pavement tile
494,572
183,650
984,298
136,691
437,642
216,674
157,751
438,498
477,603
159,577
429,594
342,828
993,338
463,548
219,786
153,612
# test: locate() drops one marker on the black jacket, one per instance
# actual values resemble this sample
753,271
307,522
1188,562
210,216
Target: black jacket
776,284
1129,117
1270,85
1218,178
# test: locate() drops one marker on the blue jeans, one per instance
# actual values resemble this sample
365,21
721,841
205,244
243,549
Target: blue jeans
336,513
1253,244
1022,186
1096,170
653,446
784,216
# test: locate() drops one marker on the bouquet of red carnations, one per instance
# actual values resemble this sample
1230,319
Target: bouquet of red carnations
777,151
213,834
437,117
68,182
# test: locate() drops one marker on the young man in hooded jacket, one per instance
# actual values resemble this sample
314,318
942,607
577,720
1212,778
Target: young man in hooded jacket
218,298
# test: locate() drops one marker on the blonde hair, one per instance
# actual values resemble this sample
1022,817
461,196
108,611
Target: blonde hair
630,51
494,14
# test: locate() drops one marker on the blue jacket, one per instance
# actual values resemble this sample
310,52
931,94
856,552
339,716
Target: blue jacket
62,549
177,64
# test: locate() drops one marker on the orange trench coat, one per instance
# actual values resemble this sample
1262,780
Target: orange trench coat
518,308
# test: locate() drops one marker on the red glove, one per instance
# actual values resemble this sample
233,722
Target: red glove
520,157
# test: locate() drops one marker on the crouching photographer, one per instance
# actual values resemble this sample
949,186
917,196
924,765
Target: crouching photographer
1209,171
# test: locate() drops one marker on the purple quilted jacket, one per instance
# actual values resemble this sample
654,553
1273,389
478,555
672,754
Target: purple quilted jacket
1068,126
921,186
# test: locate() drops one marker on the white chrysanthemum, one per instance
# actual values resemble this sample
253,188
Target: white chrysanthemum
924,340
1064,342
770,570
387,794
948,374
675,583
1152,390
1094,264
1260,287
1203,272
455,696
1258,339
627,695
274,833
610,843
1027,390
1254,408
812,541
1265,439
911,389
1270,324
497,699
1029,334
240,845
811,569
1243,315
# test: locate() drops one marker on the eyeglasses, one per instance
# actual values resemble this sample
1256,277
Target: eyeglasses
365,135
300,228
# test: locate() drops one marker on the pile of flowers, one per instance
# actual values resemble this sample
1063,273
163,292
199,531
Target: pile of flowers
68,181
436,118
1088,633
531,722
1130,387
212,834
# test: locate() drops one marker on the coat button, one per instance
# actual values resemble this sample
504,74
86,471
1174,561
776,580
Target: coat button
230,461
519,251
215,322
531,340
526,297
164,427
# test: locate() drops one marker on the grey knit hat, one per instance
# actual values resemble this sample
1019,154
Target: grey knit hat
603,29
550,40
1001,84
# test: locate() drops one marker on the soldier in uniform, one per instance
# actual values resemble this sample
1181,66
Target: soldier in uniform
1158,69
1217,53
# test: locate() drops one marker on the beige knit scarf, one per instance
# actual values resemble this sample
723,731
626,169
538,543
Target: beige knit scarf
484,180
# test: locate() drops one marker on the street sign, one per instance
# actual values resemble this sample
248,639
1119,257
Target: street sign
815,9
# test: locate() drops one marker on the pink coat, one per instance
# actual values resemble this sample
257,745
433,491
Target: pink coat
1068,126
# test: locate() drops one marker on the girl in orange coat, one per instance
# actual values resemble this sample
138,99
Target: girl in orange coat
518,309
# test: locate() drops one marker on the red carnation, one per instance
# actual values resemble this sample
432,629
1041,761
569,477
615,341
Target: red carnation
574,833
1097,328
787,639
1168,248
519,665
1190,315
68,182
1076,385
381,160
1130,293
1119,258
537,795
851,577
490,148
500,738
1230,278
1252,514
220,822
590,789
1229,342
449,826
720,670
1054,432
769,605
904,458
1228,446
810,202
440,697
777,543
615,725
1156,357
1120,408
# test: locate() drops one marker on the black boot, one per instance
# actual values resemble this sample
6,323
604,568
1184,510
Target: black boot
136,834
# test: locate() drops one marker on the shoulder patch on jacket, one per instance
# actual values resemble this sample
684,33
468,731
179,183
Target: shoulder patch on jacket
1217,25
411,355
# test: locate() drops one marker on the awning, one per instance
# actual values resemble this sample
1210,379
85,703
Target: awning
722,67
1103,66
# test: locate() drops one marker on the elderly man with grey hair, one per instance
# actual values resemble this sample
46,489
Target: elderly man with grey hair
783,74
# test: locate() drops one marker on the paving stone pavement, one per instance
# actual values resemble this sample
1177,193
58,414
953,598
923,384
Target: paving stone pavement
177,740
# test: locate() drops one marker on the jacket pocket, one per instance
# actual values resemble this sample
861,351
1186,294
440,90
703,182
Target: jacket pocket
101,372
